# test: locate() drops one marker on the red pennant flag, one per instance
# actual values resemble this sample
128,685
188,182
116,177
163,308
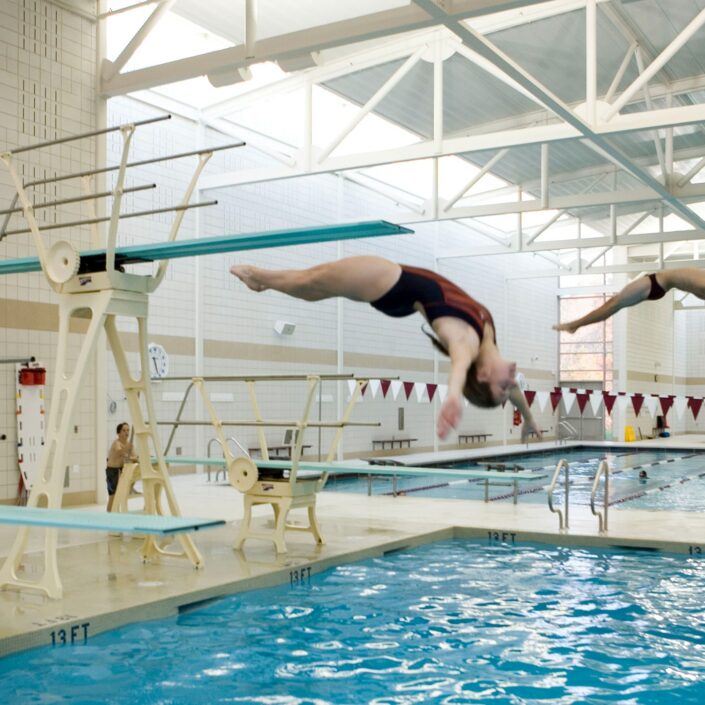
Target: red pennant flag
385,384
666,404
408,388
609,400
582,400
530,396
363,389
556,398
694,405
637,401
431,389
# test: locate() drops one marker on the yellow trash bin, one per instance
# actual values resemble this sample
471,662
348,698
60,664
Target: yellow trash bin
629,436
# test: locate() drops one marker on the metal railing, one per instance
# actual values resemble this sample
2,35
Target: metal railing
208,455
567,432
603,469
562,515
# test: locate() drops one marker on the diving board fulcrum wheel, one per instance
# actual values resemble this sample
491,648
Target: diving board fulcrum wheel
62,262
243,474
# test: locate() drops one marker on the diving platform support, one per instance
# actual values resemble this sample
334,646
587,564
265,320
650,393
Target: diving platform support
99,297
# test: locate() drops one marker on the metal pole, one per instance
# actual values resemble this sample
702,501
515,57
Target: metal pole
94,133
76,199
54,226
142,162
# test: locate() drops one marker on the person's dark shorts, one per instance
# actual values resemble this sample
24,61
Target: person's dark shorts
112,475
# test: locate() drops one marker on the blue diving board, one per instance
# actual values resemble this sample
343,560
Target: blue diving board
94,260
400,470
104,521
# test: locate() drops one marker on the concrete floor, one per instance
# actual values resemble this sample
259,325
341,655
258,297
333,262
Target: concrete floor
107,585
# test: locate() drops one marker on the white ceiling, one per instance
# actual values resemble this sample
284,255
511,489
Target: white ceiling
508,76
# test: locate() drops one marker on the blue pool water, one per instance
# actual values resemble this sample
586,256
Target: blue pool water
453,622
672,482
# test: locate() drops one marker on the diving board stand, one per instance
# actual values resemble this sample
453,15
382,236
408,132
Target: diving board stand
104,521
263,482
92,285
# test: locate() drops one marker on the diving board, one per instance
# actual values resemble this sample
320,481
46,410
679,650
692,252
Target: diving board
95,260
335,469
104,521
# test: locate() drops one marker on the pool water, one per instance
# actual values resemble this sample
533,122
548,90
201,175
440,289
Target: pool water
673,481
453,622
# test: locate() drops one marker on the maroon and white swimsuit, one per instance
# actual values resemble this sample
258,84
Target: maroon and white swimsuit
437,296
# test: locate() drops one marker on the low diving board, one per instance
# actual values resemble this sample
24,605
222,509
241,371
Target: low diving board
335,469
104,521
94,260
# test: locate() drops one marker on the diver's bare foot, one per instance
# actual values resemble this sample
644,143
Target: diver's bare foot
248,276
567,327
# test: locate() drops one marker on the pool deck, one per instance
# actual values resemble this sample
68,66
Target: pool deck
106,584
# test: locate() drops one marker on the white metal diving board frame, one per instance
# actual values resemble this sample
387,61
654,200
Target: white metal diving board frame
281,493
101,296
93,285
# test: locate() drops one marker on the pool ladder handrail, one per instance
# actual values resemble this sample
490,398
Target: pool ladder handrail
562,464
208,455
603,469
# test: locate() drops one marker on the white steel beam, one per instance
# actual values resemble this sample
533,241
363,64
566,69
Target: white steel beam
287,46
372,103
488,50
656,65
112,68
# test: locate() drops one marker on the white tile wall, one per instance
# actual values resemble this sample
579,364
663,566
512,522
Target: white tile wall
47,91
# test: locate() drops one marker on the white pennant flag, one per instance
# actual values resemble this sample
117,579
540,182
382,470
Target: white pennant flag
374,387
650,404
351,387
541,399
595,401
442,392
420,390
569,399
395,386
680,404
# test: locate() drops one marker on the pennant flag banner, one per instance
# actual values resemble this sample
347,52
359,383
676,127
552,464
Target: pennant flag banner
694,405
666,403
396,386
408,387
542,400
529,396
419,389
374,387
364,389
569,397
385,384
351,386
595,403
431,389
680,404
556,397
609,400
582,399
651,403
637,401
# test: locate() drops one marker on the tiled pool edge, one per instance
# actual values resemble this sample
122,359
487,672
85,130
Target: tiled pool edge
46,634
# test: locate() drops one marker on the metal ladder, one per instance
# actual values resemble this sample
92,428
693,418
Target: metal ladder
562,515
603,469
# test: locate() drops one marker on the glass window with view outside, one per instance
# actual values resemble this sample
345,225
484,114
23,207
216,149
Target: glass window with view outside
585,357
